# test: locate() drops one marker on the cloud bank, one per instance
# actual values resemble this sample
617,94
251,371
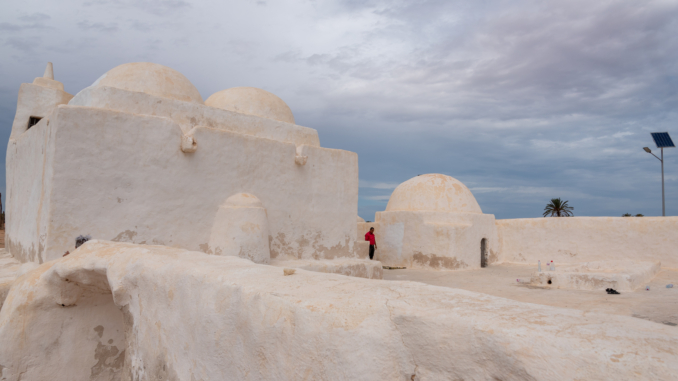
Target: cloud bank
522,101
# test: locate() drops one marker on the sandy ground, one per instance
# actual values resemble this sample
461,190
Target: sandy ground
659,305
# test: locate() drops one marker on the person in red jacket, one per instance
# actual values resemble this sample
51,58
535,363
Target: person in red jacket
369,236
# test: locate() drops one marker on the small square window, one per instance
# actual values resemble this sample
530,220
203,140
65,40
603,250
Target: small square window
32,121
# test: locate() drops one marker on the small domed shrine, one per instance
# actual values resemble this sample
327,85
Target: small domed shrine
434,221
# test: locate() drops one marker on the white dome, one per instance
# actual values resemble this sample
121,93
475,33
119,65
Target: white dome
433,192
150,78
253,101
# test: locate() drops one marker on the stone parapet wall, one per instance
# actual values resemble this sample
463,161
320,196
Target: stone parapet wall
585,239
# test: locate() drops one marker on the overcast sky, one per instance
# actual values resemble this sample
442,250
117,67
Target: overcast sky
523,101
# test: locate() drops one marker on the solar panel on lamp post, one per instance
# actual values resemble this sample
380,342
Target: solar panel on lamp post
662,140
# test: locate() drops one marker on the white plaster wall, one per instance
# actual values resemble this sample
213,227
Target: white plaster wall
123,177
586,239
38,101
188,115
190,316
435,239
29,172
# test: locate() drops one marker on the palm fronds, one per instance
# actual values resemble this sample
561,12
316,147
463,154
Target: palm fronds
558,208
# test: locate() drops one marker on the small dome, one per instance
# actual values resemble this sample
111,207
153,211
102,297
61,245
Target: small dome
433,192
150,78
243,200
253,101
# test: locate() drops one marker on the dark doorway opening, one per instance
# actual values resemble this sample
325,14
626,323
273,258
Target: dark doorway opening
483,252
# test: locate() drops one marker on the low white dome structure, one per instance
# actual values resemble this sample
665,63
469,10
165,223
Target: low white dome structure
253,101
243,200
240,229
434,221
150,78
433,192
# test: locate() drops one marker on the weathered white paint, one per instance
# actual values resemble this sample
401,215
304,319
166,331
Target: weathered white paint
587,239
117,164
434,221
625,275
240,228
121,311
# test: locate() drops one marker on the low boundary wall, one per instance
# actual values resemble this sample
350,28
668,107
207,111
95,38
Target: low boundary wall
584,239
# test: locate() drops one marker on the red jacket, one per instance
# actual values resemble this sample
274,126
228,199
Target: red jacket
370,237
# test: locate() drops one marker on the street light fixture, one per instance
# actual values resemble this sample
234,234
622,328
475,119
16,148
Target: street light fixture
661,139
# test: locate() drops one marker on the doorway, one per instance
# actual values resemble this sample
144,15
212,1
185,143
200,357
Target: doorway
483,252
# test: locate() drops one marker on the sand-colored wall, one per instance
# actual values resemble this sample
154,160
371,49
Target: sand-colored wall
583,239
123,177
434,239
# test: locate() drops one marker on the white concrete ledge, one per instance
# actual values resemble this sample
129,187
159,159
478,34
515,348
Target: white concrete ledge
619,275
361,268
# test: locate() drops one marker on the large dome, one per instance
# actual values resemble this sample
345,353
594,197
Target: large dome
253,101
150,78
433,192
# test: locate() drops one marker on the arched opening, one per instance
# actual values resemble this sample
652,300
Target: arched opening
78,317
483,252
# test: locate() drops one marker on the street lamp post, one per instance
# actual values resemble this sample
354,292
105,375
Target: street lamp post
661,139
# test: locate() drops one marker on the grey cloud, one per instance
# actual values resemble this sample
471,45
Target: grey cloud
155,7
289,56
24,44
522,101
385,197
377,184
34,21
140,26
98,26
9,27
35,17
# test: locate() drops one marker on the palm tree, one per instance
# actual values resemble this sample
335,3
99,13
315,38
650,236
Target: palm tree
558,208
627,215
